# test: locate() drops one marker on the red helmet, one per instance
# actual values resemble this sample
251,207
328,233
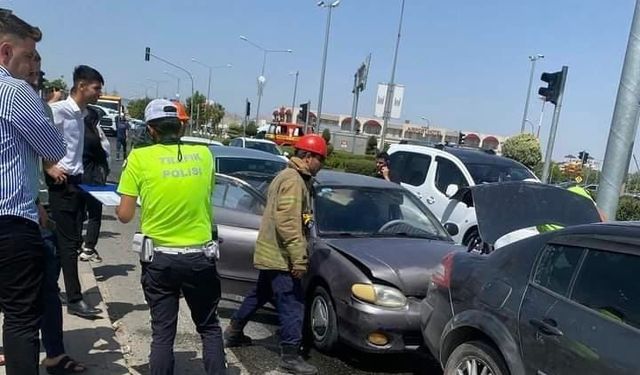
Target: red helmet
312,143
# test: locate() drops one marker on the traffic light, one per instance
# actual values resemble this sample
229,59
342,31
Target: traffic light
583,156
304,112
248,110
461,137
555,86
147,53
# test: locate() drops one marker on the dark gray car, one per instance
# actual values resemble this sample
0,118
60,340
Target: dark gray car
562,302
373,249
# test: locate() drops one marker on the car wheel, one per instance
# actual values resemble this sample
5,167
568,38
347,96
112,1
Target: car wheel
322,320
475,244
473,358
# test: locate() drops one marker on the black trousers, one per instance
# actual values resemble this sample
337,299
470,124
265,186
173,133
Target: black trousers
94,221
162,281
67,210
21,277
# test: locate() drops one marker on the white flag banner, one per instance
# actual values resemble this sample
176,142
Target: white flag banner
396,105
382,93
398,99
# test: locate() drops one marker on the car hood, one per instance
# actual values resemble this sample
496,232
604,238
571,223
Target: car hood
406,264
502,208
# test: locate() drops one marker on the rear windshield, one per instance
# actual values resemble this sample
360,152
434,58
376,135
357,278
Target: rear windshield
232,165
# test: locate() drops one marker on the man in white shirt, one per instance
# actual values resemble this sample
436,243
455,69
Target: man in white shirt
65,196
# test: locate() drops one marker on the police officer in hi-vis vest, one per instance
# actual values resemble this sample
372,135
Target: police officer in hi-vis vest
174,183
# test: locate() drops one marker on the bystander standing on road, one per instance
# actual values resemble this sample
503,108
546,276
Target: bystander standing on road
281,254
175,183
122,132
56,360
25,136
383,168
95,159
65,196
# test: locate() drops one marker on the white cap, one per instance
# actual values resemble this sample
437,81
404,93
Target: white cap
160,108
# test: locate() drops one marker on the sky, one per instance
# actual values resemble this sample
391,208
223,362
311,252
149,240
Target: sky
464,63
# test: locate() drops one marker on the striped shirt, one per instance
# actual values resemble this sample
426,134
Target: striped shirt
25,136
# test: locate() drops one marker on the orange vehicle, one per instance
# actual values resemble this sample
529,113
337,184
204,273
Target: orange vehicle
281,132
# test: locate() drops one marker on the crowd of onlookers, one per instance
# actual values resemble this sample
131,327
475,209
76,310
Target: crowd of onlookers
61,139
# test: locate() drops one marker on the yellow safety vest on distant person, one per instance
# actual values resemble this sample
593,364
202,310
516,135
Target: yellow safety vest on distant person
551,227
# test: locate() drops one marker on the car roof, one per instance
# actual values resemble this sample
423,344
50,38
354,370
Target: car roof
335,178
466,155
477,156
241,152
256,140
199,141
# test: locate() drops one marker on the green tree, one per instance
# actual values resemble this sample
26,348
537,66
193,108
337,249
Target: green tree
372,145
524,148
136,107
203,112
252,129
326,134
235,130
56,84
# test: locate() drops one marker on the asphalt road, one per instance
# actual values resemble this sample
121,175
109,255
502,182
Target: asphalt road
118,278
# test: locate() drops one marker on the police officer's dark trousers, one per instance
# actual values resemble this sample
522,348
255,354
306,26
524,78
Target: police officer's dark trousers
198,279
285,292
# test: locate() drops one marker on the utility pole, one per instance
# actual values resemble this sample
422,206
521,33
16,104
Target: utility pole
295,91
533,59
391,86
554,123
624,124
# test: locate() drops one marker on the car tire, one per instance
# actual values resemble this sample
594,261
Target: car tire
323,324
474,243
478,354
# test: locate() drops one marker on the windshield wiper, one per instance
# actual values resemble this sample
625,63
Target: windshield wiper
409,235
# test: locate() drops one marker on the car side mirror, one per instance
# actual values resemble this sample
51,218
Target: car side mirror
451,190
451,228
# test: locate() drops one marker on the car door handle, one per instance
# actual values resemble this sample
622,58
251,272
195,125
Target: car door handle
546,327
431,200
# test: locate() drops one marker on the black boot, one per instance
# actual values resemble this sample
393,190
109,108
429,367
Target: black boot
294,363
234,336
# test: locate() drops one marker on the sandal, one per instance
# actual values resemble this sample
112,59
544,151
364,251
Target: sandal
65,365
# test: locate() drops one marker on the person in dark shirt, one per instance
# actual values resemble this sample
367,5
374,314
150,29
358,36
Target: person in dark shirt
95,158
122,130
383,168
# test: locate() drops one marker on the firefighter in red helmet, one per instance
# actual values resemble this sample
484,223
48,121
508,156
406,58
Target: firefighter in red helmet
281,254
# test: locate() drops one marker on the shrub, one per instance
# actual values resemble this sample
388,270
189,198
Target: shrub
364,167
628,209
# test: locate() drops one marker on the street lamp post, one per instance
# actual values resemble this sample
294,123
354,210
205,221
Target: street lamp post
148,55
533,59
262,79
427,121
210,68
390,87
177,79
295,91
329,7
157,82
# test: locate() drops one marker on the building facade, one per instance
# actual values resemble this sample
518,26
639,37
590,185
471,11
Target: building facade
397,131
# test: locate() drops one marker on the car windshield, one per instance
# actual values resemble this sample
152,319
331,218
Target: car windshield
263,146
369,212
488,173
231,165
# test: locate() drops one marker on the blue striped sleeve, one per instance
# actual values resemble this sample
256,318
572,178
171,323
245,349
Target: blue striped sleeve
29,118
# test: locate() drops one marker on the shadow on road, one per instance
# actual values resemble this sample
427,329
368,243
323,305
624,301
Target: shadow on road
186,363
97,349
104,273
118,310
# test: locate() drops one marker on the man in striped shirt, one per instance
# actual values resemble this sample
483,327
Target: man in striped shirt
25,136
